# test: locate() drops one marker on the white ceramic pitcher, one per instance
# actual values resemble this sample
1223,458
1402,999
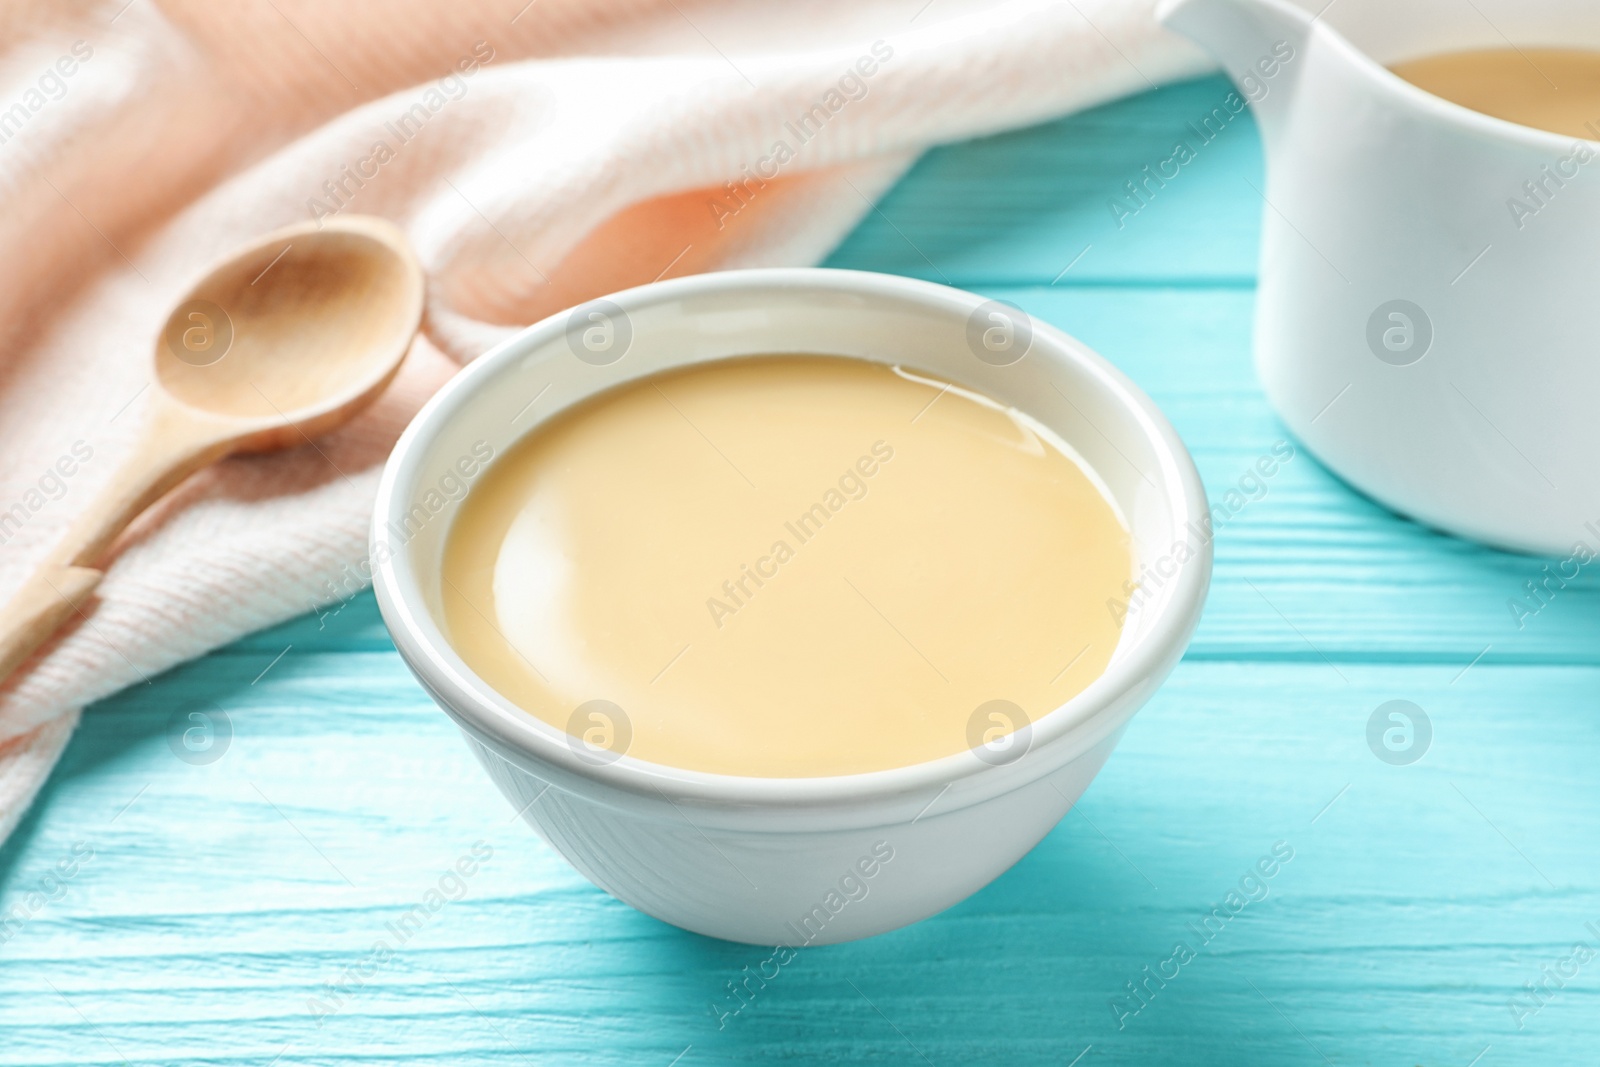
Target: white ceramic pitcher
1430,341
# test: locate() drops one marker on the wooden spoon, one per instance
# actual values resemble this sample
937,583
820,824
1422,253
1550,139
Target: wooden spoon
284,341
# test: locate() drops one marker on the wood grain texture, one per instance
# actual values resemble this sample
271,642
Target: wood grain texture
222,898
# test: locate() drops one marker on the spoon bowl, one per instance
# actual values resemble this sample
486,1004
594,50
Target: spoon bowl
297,331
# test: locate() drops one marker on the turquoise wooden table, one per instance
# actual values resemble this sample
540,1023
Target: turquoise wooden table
1433,897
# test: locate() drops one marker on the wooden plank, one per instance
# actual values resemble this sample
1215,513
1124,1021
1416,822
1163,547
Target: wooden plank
216,905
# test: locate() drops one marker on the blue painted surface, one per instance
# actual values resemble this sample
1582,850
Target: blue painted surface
221,900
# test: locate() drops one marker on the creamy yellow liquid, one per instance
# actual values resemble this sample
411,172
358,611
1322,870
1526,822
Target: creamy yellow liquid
1555,89
786,567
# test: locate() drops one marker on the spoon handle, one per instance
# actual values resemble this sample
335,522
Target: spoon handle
50,596
177,442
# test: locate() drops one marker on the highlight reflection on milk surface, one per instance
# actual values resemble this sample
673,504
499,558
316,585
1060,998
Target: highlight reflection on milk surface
787,566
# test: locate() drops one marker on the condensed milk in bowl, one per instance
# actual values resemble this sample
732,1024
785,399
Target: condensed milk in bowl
791,606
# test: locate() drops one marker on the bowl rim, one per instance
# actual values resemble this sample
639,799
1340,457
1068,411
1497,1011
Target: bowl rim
491,718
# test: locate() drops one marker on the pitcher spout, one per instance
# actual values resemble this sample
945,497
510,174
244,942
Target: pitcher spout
1261,44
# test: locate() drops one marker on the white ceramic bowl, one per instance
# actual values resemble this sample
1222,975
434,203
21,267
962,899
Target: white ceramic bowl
795,861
